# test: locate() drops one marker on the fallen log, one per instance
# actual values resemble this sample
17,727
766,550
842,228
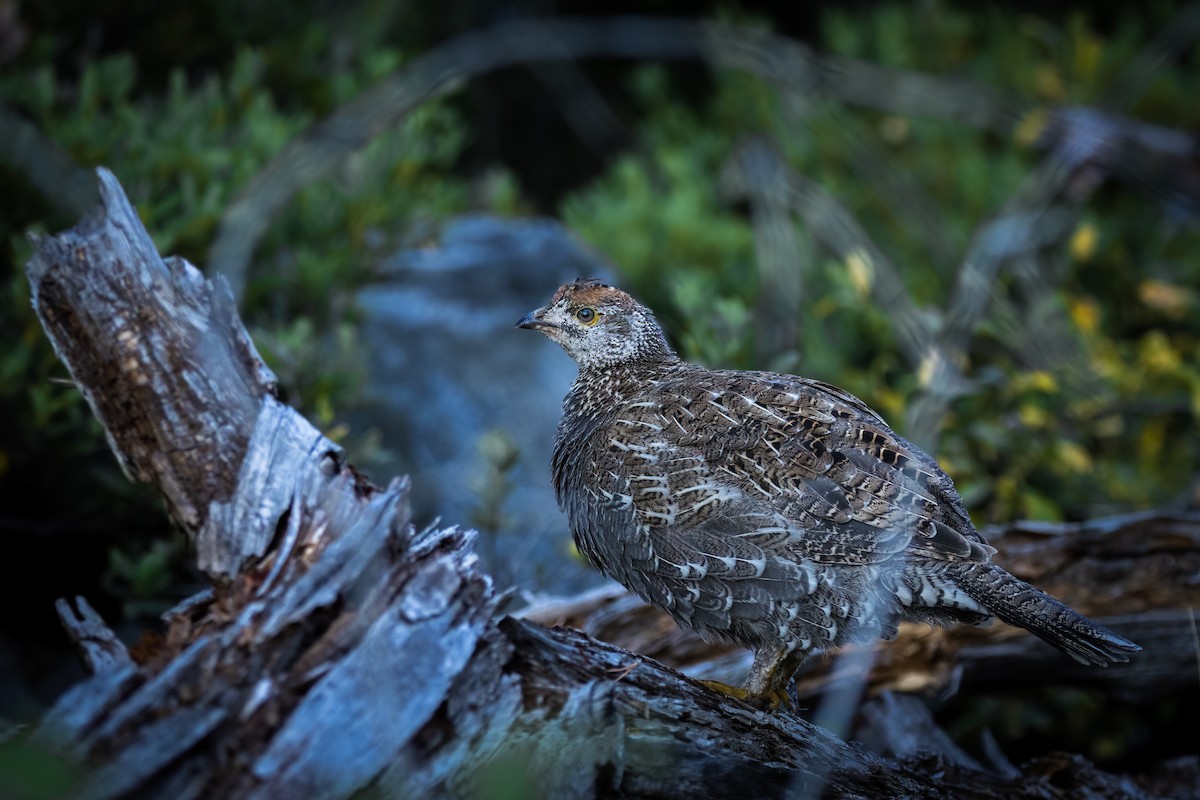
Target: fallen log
341,650
1138,574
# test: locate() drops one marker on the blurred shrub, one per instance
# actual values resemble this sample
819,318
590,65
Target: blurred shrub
1108,428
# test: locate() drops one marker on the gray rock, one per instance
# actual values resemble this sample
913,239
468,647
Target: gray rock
467,404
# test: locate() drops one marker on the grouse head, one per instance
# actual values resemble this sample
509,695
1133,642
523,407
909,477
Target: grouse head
600,326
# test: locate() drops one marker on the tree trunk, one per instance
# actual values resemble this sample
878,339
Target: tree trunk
341,650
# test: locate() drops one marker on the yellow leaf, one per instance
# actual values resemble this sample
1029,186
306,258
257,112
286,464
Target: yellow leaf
1007,489
323,409
862,271
1030,127
1043,381
1033,416
890,402
1085,313
1087,55
1083,242
1156,353
1049,85
1074,457
1109,363
928,367
1037,506
1038,381
1154,435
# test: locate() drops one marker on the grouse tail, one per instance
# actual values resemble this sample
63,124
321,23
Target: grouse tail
1017,603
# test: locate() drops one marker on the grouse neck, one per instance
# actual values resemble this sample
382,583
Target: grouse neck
604,388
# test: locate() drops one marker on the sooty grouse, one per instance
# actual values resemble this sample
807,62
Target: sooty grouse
779,512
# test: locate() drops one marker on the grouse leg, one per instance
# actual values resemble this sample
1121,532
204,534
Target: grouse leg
766,685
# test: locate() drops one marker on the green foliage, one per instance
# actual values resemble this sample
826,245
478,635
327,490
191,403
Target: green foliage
1068,718
508,776
1095,434
31,772
144,579
493,484
182,155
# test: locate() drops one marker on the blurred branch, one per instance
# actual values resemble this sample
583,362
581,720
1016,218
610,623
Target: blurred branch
836,228
756,173
1028,224
906,199
1024,225
1037,327
1159,163
1172,41
860,83
437,72
1097,142
898,724
582,106
69,188
445,68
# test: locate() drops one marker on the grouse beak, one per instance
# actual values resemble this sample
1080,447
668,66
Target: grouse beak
533,322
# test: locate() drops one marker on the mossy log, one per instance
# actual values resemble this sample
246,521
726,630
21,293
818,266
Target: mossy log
341,650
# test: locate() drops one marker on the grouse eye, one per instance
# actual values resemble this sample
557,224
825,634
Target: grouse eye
587,316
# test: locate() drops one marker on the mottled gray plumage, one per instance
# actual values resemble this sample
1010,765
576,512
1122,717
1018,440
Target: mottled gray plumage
777,511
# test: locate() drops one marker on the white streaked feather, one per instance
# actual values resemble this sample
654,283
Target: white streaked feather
642,422
722,410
